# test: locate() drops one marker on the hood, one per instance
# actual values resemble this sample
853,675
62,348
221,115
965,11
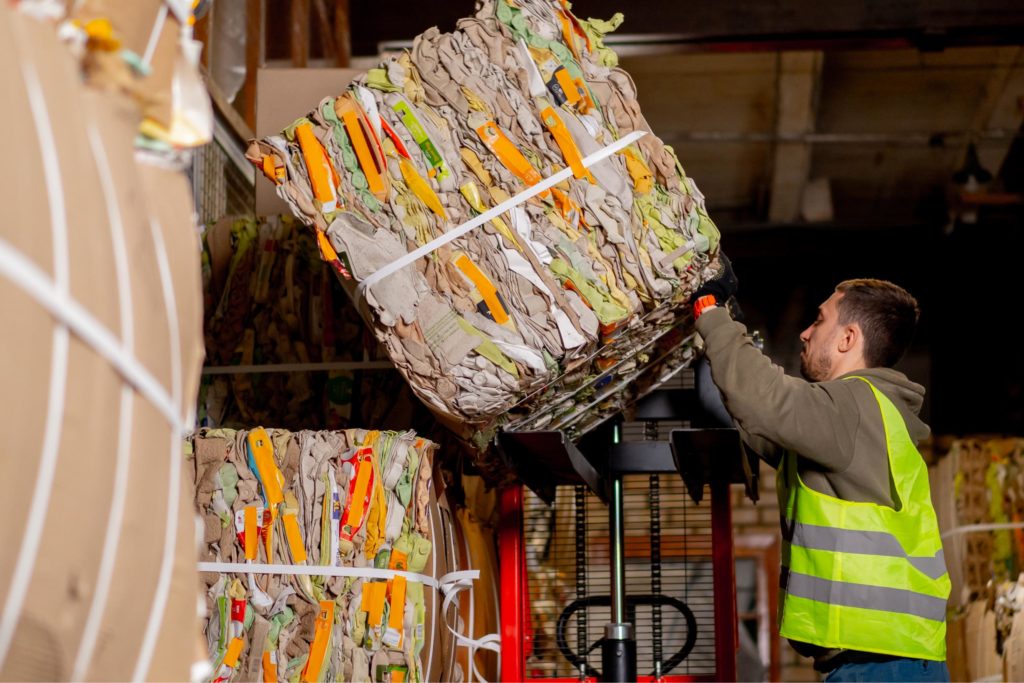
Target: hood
906,395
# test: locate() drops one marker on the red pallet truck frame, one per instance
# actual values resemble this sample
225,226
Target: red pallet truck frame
697,454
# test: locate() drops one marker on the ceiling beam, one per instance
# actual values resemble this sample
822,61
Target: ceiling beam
343,33
1000,107
254,10
299,25
328,38
799,82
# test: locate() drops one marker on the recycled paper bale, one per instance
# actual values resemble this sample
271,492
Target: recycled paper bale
980,496
99,284
270,300
512,231
323,553
1013,650
956,653
983,659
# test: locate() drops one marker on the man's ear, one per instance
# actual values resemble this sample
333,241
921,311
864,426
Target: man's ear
849,336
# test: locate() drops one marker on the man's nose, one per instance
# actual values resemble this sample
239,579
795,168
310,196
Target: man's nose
805,336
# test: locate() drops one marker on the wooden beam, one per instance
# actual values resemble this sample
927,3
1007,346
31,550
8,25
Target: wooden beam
342,33
299,21
799,82
327,36
1001,107
238,125
201,32
253,58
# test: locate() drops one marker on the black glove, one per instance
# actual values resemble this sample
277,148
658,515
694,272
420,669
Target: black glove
723,286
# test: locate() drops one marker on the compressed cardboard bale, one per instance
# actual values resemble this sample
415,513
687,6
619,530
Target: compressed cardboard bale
362,500
941,475
981,482
1013,651
983,660
547,314
956,652
100,281
271,300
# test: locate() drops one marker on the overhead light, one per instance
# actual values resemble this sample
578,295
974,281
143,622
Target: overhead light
972,172
971,179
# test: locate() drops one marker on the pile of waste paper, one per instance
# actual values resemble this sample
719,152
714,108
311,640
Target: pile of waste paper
493,200
317,554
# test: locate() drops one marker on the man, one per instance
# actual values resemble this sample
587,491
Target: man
864,583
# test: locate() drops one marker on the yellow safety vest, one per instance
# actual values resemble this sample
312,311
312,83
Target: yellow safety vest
864,576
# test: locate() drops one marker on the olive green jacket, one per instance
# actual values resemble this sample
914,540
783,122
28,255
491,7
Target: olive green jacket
835,427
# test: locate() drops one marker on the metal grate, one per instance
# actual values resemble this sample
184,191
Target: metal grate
568,558
223,182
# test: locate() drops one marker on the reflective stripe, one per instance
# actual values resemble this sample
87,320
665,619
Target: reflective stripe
867,597
862,542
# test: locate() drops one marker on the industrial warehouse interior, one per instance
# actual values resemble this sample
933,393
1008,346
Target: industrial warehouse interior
512,340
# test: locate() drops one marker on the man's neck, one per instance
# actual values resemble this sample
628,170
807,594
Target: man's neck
845,368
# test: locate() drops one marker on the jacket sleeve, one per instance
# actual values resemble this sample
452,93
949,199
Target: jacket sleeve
770,406
765,449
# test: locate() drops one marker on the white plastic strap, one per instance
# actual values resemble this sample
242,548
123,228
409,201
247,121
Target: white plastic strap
969,528
491,641
507,205
449,584
27,276
154,34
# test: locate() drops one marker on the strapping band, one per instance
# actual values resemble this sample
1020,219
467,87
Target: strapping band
975,528
449,583
507,205
27,276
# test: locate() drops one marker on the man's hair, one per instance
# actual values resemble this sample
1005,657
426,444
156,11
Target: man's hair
887,315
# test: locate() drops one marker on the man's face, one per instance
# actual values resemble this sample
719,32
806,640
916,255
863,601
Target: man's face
819,340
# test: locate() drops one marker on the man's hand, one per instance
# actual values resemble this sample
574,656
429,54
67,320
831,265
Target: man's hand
722,286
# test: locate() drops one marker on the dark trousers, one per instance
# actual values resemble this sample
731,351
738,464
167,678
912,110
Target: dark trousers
897,669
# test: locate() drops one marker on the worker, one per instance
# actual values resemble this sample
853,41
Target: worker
863,586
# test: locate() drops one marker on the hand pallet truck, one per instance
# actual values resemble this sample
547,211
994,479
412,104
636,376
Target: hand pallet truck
545,460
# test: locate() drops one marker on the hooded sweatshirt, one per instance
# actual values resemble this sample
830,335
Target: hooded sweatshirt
834,427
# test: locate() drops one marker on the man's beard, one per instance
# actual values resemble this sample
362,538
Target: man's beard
815,368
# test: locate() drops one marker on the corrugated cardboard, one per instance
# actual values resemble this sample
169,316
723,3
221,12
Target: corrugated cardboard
980,642
940,478
72,161
1013,651
956,654
279,94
